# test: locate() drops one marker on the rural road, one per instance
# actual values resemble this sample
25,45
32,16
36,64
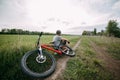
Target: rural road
61,64
111,64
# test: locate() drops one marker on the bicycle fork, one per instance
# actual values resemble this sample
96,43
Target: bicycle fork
40,58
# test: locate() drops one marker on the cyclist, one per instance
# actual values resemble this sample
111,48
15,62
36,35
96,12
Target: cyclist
58,41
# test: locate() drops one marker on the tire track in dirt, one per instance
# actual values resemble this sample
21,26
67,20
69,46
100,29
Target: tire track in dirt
111,64
61,65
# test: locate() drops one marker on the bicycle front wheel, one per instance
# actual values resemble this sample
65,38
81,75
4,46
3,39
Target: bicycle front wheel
33,68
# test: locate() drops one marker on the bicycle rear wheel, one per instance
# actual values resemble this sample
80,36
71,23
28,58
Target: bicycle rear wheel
70,52
39,70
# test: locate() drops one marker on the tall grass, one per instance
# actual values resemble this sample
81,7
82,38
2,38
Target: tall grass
111,44
85,66
13,47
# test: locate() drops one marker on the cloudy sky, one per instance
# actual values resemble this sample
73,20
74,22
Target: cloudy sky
70,16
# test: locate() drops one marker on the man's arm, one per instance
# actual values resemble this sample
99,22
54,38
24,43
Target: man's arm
63,39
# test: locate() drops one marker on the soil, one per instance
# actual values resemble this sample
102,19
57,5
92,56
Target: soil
61,65
110,64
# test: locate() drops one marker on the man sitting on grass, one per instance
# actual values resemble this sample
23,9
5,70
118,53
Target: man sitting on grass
58,41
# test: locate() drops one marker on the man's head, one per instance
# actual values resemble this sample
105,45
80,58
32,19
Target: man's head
58,32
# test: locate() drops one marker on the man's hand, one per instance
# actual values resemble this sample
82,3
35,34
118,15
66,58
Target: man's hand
68,42
63,39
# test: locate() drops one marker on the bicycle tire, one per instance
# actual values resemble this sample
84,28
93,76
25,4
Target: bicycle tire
71,53
29,72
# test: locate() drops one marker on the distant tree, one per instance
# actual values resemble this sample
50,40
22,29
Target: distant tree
84,33
99,33
113,29
13,31
89,33
20,31
95,31
8,31
3,30
102,32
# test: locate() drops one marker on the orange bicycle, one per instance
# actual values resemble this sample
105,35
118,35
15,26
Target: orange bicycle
40,63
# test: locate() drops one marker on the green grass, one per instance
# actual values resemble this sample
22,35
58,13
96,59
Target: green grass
13,47
85,65
111,44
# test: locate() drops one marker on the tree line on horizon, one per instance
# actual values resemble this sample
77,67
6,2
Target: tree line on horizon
112,30
24,32
21,31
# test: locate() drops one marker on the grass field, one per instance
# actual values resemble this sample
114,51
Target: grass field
12,48
111,44
87,65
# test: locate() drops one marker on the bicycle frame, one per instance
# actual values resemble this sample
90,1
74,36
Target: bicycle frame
44,46
51,49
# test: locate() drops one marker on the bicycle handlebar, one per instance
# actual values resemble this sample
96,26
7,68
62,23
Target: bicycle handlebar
41,34
39,38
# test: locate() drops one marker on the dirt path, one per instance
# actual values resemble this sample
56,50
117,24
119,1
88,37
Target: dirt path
61,64
111,64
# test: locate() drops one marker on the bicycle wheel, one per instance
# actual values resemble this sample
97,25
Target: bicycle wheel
38,70
70,52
